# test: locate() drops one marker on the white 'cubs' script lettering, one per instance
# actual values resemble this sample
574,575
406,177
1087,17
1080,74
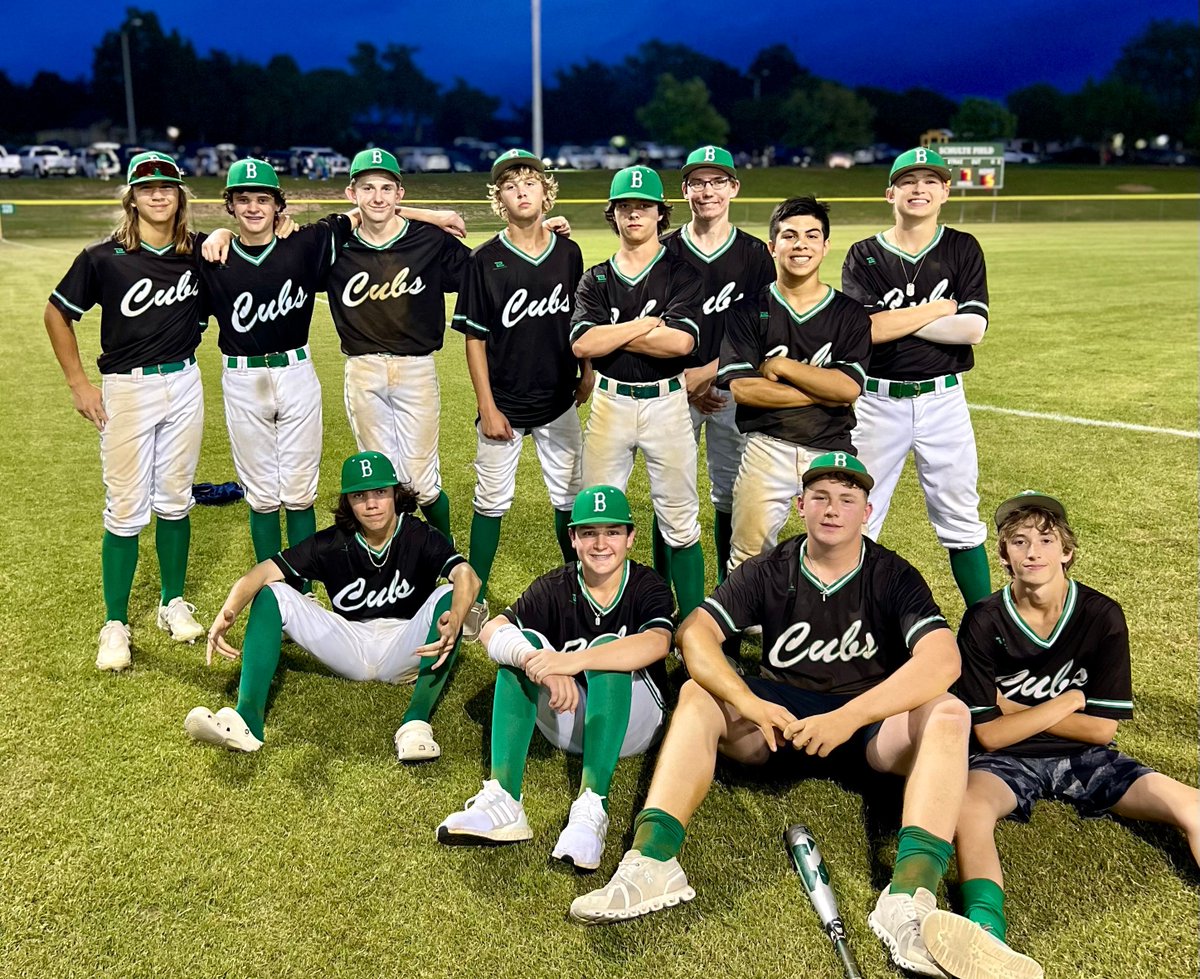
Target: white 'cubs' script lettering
1026,685
894,298
355,595
245,316
142,295
575,645
645,311
516,309
793,646
722,300
359,289
819,359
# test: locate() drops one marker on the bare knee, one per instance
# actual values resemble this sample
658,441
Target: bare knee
946,720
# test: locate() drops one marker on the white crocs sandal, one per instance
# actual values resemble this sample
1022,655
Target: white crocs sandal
414,742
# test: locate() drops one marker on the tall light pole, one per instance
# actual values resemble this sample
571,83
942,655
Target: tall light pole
536,12
135,22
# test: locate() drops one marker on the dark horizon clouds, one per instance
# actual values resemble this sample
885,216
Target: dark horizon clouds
959,48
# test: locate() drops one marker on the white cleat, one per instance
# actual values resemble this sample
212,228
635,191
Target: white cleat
965,949
896,922
114,646
178,618
489,818
225,729
639,886
581,843
414,742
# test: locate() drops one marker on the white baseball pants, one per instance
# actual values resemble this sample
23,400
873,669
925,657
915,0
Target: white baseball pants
723,449
768,480
559,447
646,715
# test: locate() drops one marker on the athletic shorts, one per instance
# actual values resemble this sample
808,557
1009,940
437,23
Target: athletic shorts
805,703
1092,780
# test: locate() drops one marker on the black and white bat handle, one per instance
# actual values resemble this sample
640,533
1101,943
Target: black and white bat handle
810,867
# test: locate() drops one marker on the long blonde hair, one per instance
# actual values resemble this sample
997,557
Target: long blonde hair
128,232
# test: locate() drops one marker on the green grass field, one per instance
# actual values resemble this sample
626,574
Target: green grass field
128,851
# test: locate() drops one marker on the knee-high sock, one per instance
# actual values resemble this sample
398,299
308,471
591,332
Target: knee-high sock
605,722
561,519
687,575
971,573
118,562
172,539
514,712
437,514
485,539
265,534
722,534
921,861
301,525
431,682
983,903
260,659
657,834
662,552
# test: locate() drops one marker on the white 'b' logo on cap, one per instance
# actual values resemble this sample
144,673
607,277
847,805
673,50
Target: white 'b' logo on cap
599,503
251,170
635,179
376,156
710,153
922,156
367,471
839,459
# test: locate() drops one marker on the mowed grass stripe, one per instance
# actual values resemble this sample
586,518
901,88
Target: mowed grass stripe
129,851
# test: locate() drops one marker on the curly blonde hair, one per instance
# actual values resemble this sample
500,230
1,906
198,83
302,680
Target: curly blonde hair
128,232
549,186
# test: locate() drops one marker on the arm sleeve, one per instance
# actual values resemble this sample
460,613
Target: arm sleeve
741,347
653,605
976,687
472,311
764,272
79,289
437,553
318,239
737,602
856,284
591,307
454,260
535,610
301,561
1109,684
685,293
339,231
970,289
912,605
855,349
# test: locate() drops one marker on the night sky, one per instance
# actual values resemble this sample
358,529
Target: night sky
960,48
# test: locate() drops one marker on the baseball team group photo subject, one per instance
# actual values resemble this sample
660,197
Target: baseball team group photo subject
764,391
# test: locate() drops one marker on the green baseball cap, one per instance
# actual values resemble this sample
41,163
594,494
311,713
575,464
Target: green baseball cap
600,504
515,158
1029,498
247,174
921,158
367,470
145,167
375,159
716,157
637,182
842,463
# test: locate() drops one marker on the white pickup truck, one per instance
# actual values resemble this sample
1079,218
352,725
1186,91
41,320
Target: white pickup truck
47,161
10,163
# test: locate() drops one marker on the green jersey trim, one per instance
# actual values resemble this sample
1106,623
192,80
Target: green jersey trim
254,259
1111,704
658,622
516,251
696,250
387,244
906,256
744,365
470,322
836,586
166,249
70,305
642,274
808,314
386,547
599,609
716,606
1068,608
920,625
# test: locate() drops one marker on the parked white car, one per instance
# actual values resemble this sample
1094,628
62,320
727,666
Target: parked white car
305,158
10,163
100,161
47,161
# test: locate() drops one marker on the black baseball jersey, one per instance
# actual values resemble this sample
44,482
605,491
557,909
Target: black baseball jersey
667,287
149,299
520,307
262,297
842,638
390,298
739,268
834,333
392,583
877,274
1089,649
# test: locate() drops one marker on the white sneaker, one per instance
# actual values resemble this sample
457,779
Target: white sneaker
896,921
477,616
965,949
178,618
226,729
493,816
581,842
639,886
114,646
414,742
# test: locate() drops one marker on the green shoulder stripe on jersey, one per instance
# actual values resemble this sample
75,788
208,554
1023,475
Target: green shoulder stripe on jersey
850,363
66,302
700,253
254,259
579,326
1111,704
470,322
835,587
741,366
452,562
596,606
809,313
902,254
659,622
716,606
165,250
1068,607
688,322
389,242
643,273
530,259
980,710
919,626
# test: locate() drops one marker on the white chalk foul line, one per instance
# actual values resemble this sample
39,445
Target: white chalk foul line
1092,422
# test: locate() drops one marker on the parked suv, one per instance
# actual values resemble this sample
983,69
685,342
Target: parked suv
47,161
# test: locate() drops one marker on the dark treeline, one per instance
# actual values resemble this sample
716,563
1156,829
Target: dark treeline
664,92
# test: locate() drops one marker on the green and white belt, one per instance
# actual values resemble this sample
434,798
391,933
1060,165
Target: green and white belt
172,368
910,389
655,389
282,359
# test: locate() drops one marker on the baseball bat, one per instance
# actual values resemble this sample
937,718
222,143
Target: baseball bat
810,867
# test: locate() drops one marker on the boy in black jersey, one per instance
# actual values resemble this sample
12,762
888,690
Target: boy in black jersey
578,656
390,621
1046,676
855,653
514,307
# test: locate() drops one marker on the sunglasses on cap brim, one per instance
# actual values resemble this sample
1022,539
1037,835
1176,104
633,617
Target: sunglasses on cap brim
164,169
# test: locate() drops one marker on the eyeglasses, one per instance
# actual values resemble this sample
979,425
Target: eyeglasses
156,168
716,183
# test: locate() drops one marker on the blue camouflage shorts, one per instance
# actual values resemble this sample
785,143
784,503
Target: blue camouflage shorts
1092,780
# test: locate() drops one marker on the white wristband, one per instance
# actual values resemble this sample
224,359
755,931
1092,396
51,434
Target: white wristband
508,646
